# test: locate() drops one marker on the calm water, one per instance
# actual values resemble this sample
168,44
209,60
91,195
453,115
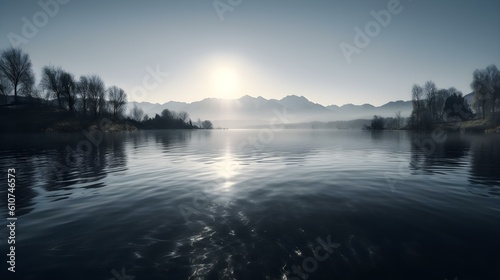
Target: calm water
205,205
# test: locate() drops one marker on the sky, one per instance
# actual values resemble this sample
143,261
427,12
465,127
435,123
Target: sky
332,52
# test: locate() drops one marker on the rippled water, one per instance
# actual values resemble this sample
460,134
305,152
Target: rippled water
242,204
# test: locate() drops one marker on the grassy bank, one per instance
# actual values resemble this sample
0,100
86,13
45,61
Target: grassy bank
32,118
476,126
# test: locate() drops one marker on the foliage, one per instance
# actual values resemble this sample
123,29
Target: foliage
439,105
86,99
168,120
136,113
207,124
378,123
486,86
456,107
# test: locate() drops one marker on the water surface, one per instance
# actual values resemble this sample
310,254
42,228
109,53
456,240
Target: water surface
242,204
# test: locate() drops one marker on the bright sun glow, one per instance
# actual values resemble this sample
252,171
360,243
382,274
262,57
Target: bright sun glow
225,82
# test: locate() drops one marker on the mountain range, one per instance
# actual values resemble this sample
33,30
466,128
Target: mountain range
250,111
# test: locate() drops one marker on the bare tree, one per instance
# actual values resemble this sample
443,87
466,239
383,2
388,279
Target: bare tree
15,66
431,98
103,106
51,82
97,103
486,87
117,99
61,85
67,83
183,116
136,113
494,78
480,87
27,86
398,118
83,91
418,106
5,89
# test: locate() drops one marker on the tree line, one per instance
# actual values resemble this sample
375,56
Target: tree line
432,105
169,119
87,95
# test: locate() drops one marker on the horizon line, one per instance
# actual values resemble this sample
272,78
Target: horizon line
290,95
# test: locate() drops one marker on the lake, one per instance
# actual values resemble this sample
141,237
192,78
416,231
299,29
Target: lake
249,204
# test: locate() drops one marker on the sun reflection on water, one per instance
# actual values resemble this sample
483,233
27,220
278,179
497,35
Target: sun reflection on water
227,169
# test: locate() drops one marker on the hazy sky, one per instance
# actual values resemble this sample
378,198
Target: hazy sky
267,48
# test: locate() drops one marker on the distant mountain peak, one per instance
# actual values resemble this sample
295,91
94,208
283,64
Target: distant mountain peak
247,110
246,96
295,97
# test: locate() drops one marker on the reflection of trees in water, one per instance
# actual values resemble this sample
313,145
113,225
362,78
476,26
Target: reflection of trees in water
483,151
53,162
69,167
376,135
169,138
389,137
115,152
26,153
138,138
485,163
26,174
430,156
87,167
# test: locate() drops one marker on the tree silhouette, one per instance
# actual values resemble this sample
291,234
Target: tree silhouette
418,105
67,83
15,67
441,96
50,82
88,94
5,89
137,113
183,116
167,114
457,107
431,99
486,86
399,119
207,124
60,84
97,91
378,123
117,99
83,91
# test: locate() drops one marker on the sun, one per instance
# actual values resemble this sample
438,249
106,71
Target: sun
225,82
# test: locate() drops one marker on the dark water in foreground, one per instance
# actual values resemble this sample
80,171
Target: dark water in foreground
203,205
